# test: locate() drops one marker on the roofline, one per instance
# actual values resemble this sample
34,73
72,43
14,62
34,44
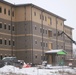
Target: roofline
5,2
40,9
69,27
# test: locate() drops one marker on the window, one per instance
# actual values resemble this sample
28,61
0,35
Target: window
13,43
5,11
35,56
50,46
61,24
0,25
49,33
1,56
35,27
54,34
34,13
0,41
0,9
9,12
9,42
13,13
43,44
42,17
4,26
35,41
61,46
5,42
49,20
13,28
9,27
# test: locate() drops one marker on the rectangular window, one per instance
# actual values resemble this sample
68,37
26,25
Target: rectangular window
9,12
43,44
0,25
4,26
34,13
5,11
13,13
0,41
42,17
9,27
49,33
50,46
35,42
49,20
35,28
13,43
35,56
5,42
13,28
9,42
0,9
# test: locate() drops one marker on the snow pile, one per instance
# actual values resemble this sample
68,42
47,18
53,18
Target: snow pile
11,70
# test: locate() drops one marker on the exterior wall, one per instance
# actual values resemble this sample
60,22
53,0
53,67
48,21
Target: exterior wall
5,34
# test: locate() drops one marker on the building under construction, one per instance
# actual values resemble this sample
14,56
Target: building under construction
28,31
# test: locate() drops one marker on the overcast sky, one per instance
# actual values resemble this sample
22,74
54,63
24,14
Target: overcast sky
63,8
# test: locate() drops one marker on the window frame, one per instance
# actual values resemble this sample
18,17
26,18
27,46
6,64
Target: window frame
0,25
0,41
0,9
5,27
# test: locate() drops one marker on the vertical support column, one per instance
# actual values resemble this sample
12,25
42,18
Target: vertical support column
32,34
56,35
42,36
11,35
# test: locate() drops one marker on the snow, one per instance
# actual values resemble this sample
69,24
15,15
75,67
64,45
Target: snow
53,70
53,51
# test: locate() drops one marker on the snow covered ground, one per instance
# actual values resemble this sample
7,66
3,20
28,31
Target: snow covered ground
54,70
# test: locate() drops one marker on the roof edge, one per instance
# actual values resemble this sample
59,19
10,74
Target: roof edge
33,5
3,1
69,27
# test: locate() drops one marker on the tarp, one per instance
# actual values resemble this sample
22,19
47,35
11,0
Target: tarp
61,53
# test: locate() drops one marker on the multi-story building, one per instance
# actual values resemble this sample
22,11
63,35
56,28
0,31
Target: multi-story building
27,31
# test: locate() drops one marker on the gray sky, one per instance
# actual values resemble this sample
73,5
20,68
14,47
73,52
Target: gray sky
63,8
